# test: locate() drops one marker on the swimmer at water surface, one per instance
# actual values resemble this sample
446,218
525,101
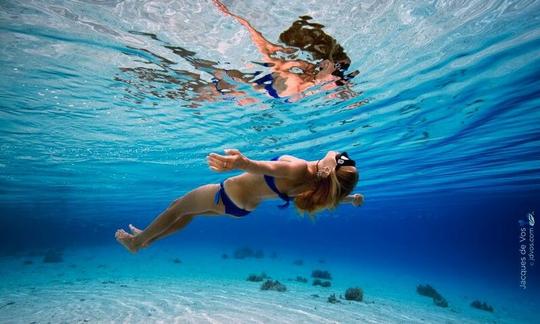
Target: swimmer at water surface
312,186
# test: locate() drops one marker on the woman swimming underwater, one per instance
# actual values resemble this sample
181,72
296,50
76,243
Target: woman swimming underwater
312,186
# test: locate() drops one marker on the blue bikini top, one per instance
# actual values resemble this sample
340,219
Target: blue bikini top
267,81
270,181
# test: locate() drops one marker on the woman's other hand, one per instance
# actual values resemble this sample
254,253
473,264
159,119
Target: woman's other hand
233,160
358,200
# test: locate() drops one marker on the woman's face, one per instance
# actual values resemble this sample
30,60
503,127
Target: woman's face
325,69
326,75
328,162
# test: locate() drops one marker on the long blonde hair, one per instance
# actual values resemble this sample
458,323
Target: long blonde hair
327,192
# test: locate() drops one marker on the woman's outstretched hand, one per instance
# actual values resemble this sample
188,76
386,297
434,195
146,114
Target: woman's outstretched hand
233,160
221,7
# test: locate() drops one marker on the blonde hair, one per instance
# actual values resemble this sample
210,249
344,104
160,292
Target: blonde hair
327,192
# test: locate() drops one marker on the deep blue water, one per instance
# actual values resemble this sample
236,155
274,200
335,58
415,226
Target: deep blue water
104,121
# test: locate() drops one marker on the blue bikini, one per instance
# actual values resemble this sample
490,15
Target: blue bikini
267,81
232,209
230,206
271,182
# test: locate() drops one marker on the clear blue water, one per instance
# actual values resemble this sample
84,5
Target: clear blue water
103,123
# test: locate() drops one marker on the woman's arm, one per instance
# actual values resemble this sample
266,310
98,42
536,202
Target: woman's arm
236,160
263,45
280,169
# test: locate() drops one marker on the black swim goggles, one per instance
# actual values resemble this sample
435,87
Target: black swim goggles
343,159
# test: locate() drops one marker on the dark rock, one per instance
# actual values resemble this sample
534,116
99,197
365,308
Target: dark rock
332,299
318,282
53,256
257,278
429,291
243,253
322,274
440,301
254,278
246,252
354,294
482,305
273,285
301,279
298,262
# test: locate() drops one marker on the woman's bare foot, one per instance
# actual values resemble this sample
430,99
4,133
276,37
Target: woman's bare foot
127,240
135,231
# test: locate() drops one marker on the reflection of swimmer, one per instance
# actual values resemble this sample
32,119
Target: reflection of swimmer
323,67
292,77
311,185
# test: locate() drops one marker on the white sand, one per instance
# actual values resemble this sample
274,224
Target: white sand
109,285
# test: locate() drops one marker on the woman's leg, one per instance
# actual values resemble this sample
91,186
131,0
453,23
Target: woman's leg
196,202
180,224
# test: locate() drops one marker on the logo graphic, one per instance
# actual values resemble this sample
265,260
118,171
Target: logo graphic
529,221
526,248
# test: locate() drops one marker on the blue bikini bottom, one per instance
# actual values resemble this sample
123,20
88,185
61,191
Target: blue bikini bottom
230,206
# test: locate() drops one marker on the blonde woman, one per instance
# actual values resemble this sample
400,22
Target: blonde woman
312,186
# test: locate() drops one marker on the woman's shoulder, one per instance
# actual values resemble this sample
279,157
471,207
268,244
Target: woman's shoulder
298,170
290,158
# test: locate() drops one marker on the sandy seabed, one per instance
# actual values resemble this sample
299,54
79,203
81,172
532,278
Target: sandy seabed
109,285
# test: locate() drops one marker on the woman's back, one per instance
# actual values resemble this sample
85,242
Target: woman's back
247,190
